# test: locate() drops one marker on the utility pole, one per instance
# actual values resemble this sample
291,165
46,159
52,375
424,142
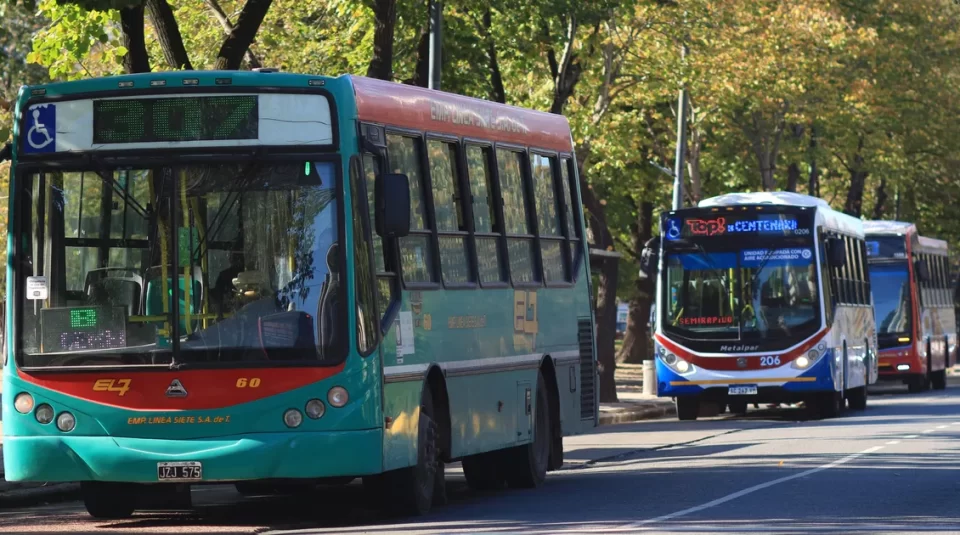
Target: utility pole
896,216
436,41
649,369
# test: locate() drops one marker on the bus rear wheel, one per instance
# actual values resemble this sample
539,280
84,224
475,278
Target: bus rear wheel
528,463
108,500
483,471
688,408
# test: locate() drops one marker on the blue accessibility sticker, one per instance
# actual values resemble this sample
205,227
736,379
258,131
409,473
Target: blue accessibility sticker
41,129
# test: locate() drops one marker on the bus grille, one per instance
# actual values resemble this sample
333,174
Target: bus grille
588,375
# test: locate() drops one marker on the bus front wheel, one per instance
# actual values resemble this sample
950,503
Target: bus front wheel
939,380
108,500
688,408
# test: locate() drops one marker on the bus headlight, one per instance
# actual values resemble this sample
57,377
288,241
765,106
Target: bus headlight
315,409
44,413
804,361
292,418
23,402
676,363
66,422
682,366
337,396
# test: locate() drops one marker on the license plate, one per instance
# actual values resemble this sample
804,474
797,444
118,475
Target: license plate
742,390
179,471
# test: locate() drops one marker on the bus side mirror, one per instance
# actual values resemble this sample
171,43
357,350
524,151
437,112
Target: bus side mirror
392,205
835,253
649,261
920,270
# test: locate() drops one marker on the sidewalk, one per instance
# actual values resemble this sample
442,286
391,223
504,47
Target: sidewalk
633,404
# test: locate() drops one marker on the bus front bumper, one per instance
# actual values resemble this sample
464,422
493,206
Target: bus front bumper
783,385
229,458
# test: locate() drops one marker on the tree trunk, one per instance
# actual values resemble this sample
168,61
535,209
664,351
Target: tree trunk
168,33
793,177
813,182
131,24
385,18
635,340
497,91
858,181
421,72
694,145
228,27
236,44
567,70
881,199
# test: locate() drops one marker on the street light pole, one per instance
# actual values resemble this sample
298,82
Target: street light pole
436,40
649,369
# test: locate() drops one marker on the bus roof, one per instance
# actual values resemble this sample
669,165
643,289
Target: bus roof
889,227
932,245
408,106
826,216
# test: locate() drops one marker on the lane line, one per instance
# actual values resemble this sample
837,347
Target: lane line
893,442
928,431
941,427
751,490
911,436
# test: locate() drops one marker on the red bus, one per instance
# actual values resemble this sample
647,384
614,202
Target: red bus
913,302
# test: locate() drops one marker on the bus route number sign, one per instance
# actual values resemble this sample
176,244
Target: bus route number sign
177,119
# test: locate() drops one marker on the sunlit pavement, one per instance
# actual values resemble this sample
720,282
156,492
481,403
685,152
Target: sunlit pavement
891,469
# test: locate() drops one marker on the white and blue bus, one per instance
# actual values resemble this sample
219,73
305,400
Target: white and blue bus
763,297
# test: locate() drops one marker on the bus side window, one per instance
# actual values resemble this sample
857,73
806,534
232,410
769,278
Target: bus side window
555,253
383,255
486,223
520,239
572,213
449,212
405,156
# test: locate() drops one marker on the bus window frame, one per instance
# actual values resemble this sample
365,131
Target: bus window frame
356,166
488,147
427,192
459,167
573,178
556,178
529,212
21,224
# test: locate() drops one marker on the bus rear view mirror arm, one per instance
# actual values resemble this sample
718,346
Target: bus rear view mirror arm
392,201
836,254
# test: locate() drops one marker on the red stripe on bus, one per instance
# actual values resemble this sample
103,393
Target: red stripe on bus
418,108
206,389
730,363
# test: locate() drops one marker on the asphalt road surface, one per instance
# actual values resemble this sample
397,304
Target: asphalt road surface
894,468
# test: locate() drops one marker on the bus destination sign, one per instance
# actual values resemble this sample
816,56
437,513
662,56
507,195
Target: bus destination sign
716,225
149,120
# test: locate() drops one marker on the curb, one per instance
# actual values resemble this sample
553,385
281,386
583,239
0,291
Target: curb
20,494
636,414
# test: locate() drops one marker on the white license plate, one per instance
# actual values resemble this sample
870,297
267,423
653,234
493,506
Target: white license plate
179,471
742,390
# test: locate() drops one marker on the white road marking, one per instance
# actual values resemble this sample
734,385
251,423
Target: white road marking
746,491
893,442
911,436
941,427
929,431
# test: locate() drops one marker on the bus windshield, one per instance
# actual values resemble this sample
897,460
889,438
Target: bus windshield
890,283
747,294
251,251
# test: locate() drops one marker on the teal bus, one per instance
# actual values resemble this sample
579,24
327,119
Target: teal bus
359,268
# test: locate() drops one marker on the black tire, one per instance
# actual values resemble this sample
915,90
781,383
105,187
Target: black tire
916,384
939,380
738,407
484,471
528,463
108,500
410,491
830,404
688,408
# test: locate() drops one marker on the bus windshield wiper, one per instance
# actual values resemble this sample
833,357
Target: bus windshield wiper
763,264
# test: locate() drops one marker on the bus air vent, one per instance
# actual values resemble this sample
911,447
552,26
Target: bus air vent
588,375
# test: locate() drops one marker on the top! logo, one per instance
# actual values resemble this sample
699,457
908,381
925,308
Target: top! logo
707,227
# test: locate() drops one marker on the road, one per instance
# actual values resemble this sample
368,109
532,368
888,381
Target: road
890,469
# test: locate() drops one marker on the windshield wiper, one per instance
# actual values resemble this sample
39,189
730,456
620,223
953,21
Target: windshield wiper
763,264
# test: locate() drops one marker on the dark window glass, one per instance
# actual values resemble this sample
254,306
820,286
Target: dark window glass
363,271
489,260
448,209
416,252
520,250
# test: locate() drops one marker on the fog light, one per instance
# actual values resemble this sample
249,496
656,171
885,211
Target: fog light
292,418
903,367
670,358
337,396
315,409
44,413
66,422
23,402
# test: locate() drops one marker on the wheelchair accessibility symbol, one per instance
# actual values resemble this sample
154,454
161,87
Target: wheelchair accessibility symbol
673,229
42,134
